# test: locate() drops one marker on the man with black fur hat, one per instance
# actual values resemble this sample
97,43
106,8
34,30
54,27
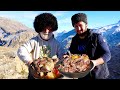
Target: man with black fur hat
93,44
44,44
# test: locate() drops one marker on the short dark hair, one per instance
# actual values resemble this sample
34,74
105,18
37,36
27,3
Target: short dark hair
79,17
43,20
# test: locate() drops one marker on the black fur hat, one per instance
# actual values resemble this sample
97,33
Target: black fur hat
79,17
44,20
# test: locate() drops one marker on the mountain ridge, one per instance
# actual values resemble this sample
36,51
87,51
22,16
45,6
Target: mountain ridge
14,33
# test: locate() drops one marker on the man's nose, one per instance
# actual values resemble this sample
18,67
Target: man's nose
79,28
47,31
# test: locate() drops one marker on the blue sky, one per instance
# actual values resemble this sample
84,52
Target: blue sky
95,18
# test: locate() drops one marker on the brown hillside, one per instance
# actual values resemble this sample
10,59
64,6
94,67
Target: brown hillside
10,25
15,33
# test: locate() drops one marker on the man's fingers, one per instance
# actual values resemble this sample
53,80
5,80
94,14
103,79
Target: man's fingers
65,56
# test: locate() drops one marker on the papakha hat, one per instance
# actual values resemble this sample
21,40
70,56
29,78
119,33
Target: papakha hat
79,17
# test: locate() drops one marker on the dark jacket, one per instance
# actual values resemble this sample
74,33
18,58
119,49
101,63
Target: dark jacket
95,46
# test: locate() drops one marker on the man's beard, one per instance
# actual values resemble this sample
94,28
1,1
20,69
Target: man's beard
83,34
46,36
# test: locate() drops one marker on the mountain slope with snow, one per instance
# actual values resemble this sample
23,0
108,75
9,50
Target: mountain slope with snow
110,32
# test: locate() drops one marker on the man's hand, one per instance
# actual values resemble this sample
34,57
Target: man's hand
97,62
66,56
29,63
32,65
55,59
34,68
94,64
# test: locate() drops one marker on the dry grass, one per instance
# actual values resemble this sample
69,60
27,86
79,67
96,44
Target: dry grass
11,67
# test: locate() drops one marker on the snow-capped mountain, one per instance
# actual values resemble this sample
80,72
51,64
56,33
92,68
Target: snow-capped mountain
110,32
57,34
65,38
64,35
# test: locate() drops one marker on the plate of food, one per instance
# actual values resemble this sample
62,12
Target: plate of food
76,66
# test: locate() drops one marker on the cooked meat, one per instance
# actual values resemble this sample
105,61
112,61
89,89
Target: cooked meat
44,68
75,63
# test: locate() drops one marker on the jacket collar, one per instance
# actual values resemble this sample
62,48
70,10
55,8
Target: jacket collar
46,40
89,33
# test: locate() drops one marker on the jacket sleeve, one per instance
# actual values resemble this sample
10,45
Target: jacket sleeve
24,51
106,54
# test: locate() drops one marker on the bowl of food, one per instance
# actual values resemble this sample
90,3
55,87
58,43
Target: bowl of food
76,66
44,68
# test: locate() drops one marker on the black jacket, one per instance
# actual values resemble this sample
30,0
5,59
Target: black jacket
95,46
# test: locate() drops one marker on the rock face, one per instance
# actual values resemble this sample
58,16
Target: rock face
14,33
19,39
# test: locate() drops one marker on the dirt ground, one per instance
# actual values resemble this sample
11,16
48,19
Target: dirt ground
11,67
